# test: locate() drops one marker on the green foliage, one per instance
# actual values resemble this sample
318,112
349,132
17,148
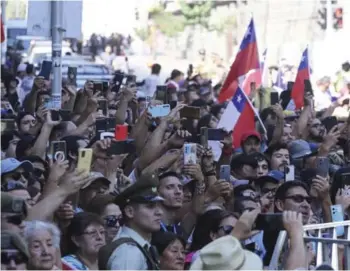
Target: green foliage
143,33
196,12
222,24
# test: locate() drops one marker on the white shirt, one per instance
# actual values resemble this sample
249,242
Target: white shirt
128,256
151,84
323,99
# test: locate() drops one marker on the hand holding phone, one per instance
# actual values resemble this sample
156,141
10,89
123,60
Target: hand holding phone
190,112
225,173
84,159
322,166
72,76
159,111
58,151
204,137
190,154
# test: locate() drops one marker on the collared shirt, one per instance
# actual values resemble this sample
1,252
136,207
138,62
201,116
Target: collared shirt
151,84
128,256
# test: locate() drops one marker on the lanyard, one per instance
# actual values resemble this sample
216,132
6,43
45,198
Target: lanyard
165,229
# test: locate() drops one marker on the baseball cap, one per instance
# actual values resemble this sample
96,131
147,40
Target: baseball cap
11,240
11,164
249,134
96,176
11,204
274,176
300,149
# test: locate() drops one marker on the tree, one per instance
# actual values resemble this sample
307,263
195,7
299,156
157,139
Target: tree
143,33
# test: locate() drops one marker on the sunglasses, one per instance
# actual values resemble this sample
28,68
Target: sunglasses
38,172
227,229
7,257
18,175
15,219
300,199
112,221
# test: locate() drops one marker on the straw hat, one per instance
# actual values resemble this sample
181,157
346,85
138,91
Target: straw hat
226,253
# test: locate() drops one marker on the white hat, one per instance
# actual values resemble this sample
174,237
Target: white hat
226,253
22,67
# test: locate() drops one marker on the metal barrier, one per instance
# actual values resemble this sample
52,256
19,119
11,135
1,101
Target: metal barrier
323,252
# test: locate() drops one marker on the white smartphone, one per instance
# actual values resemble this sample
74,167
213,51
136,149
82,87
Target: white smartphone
190,154
106,135
289,173
337,216
159,110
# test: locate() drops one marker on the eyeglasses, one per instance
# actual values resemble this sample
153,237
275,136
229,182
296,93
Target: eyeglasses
18,175
25,122
7,257
15,219
95,233
112,221
300,198
38,172
227,229
267,190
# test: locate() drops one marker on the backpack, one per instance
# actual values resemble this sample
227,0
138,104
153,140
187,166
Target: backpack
106,252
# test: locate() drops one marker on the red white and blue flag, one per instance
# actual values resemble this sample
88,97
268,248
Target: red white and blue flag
297,93
247,60
238,116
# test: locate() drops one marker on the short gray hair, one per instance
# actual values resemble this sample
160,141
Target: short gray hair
32,226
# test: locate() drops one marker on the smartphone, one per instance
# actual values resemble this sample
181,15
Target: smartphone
289,173
101,125
274,97
190,154
307,87
110,124
159,110
290,85
204,137
322,166
104,135
65,114
121,132
338,216
216,134
240,182
117,82
72,76
345,179
273,222
8,125
173,104
225,173
105,86
121,147
58,151
162,94
46,68
55,115
47,103
84,159
329,122
130,79
98,86
190,112
103,106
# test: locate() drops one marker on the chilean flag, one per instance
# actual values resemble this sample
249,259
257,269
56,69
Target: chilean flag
238,116
247,59
297,93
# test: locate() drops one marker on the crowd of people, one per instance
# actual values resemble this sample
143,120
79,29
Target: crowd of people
108,201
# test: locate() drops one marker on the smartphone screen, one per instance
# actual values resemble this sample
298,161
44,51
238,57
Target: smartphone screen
58,151
55,115
216,134
162,94
84,159
72,75
110,125
121,147
159,110
329,122
271,222
190,154
101,125
289,173
322,166
204,137
103,106
225,173
121,132
274,97
98,86
345,179
46,68
190,112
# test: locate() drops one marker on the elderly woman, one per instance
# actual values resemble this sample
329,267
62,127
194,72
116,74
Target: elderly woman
43,241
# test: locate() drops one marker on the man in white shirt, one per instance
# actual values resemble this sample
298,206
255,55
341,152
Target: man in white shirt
152,81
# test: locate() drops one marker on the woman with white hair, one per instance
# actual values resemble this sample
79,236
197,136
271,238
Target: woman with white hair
43,241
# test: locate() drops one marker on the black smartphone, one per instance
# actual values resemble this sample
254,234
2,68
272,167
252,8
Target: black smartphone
55,115
121,147
307,87
322,166
204,137
46,68
162,94
290,85
117,81
98,86
72,76
345,183
329,122
216,134
272,222
190,112
58,150
101,125
110,125
65,114
8,125
103,106
274,97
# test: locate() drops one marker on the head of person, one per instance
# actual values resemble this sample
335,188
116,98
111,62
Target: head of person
287,136
171,250
203,105
21,70
191,93
86,234
14,251
263,164
210,226
25,122
141,205
301,154
142,104
14,170
64,128
279,156
171,189
156,68
9,142
324,83
293,196
245,190
43,96
270,182
108,49
109,212
242,204
98,185
43,241
217,110
268,117
40,168
73,144
226,253
208,121
176,75
316,130
13,212
30,69
251,142
244,166
11,84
